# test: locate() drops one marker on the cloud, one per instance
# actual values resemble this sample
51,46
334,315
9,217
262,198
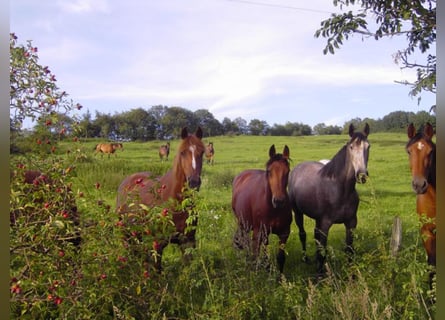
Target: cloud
85,6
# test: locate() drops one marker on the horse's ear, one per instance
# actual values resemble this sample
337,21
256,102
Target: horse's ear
184,133
286,152
198,133
272,151
351,130
366,130
411,130
428,131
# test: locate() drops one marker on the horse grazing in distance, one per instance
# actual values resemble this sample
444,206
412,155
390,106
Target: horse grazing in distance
141,188
422,159
210,153
164,151
108,148
326,192
261,204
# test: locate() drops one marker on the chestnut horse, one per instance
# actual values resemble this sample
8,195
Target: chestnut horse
210,153
164,151
186,172
261,203
108,148
422,159
326,192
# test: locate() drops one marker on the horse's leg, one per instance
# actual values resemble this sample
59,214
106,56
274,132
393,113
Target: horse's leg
350,227
260,240
281,255
321,232
241,239
299,220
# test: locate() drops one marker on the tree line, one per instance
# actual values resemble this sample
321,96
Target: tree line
163,123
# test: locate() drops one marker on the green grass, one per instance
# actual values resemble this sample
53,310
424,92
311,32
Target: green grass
220,284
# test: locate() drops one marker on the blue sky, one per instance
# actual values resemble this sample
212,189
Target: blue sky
233,58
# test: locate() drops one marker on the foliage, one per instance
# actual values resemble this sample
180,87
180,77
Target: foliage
414,19
34,94
110,277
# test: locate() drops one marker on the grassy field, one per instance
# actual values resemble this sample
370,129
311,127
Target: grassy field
219,284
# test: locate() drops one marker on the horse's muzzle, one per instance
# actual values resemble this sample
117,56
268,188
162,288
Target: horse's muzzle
419,185
361,177
194,183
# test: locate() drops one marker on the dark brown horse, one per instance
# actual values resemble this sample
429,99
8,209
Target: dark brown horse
260,203
164,151
422,159
108,148
326,192
210,153
139,188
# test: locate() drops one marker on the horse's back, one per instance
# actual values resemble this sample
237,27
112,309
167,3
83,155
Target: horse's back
136,187
318,196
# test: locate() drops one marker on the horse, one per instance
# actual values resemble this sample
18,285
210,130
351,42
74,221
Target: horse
326,192
164,151
138,188
210,153
108,148
422,159
261,204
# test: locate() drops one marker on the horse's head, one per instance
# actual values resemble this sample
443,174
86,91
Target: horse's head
358,151
277,170
421,152
189,157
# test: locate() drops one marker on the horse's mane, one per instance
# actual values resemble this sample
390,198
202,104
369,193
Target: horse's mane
277,157
431,173
337,163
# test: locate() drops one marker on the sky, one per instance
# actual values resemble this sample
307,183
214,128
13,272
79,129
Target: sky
235,58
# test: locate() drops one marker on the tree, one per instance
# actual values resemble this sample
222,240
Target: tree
258,127
414,19
33,90
34,95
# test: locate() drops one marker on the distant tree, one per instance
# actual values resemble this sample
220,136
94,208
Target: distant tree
208,123
106,124
258,127
136,124
322,128
228,126
176,118
241,125
415,20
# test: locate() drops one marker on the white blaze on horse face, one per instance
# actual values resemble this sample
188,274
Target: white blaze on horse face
192,150
358,156
420,145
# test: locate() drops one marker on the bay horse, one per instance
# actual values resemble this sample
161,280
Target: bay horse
261,204
139,188
422,159
164,151
326,192
108,148
210,153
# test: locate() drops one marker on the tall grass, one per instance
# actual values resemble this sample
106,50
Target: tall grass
220,282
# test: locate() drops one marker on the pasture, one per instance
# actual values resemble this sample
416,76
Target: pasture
220,283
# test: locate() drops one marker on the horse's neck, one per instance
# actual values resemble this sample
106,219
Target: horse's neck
174,181
341,169
426,202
